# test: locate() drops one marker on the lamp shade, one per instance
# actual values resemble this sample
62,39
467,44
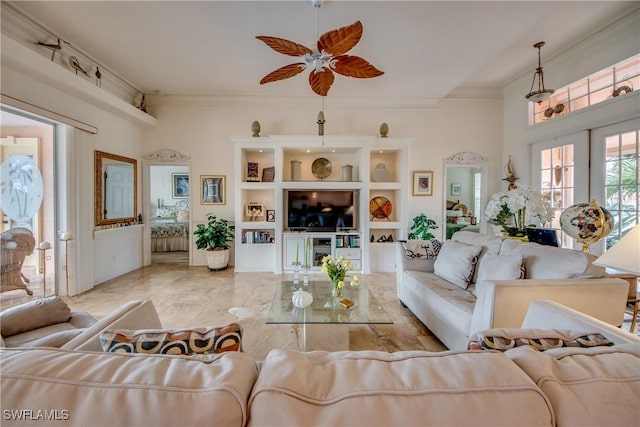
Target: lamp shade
624,255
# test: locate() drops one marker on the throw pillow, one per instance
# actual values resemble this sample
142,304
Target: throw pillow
500,267
456,263
540,339
33,315
183,216
421,249
206,340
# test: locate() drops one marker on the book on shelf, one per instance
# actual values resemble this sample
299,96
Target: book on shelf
251,237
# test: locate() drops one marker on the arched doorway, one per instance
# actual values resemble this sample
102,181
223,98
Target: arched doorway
167,199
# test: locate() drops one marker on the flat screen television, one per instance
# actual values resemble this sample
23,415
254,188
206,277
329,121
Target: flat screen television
321,210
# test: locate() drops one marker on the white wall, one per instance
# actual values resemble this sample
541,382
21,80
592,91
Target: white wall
115,135
203,129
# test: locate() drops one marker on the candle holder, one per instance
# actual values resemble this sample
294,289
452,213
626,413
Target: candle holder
42,249
296,273
305,275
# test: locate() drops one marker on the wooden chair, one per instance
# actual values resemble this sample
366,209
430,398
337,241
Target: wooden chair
15,245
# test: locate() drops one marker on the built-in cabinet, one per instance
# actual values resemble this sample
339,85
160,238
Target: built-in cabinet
267,168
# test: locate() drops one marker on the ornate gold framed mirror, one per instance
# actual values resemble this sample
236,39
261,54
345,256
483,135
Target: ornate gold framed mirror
116,189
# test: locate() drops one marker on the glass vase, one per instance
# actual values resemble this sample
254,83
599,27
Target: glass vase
336,290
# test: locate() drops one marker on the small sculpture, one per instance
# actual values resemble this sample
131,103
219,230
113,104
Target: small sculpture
301,299
321,123
511,177
384,130
54,47
98,77
255,128
75,64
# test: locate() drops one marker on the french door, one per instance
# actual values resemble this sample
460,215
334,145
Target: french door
561,173
615,183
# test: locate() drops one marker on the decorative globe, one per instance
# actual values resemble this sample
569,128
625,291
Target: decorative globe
301,299
587,223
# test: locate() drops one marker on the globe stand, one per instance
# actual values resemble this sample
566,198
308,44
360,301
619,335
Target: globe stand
588,223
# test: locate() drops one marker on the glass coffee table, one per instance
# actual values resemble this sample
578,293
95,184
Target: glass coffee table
321,325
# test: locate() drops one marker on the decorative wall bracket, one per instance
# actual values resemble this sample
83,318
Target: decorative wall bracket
166,155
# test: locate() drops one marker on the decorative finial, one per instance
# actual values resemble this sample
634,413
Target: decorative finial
255,128
384,130
321,123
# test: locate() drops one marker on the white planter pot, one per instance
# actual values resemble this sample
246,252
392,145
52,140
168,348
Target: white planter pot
217,260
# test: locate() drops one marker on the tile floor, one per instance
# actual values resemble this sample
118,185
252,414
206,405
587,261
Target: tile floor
194,296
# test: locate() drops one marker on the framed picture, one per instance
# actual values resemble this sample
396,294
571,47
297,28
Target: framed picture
423,183
268,174
456,189
271,215
180,185
254,211
212,190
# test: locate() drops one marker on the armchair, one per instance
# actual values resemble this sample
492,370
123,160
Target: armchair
16,244
44,322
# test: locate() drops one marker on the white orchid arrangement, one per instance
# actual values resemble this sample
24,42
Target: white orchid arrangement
515,209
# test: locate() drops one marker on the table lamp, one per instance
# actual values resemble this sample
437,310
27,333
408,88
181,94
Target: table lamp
624,256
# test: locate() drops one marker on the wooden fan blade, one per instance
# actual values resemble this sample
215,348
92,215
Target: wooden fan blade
354,66
321,81
340,41
286,47
283,73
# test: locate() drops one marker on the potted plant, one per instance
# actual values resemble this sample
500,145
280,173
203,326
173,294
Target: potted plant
420,228
214,238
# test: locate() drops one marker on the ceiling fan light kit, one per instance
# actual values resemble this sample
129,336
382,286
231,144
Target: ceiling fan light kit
541,93
329,57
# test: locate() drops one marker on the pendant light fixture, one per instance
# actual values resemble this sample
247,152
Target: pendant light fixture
541,93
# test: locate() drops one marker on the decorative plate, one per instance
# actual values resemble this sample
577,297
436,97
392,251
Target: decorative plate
321,168
380,207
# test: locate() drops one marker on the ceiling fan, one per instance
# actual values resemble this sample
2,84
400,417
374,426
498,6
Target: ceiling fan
331,56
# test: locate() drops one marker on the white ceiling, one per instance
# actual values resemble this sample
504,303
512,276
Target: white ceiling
427,49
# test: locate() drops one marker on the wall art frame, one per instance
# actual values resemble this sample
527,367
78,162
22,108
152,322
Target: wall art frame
423,183
180,185
213,189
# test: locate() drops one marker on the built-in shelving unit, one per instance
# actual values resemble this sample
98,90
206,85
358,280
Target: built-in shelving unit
375,169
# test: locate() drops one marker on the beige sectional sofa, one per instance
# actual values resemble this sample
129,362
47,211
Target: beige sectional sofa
49,386
481,282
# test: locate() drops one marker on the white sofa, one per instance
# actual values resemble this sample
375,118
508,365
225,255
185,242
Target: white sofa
489,294
520,387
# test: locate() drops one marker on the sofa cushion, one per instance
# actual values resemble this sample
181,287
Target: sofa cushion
586,386
456,263
33,315
207,340
548,262
503,339
110,389
372,388
50,336
500,267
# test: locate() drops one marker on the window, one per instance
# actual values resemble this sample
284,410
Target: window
609,83
557,182
621,182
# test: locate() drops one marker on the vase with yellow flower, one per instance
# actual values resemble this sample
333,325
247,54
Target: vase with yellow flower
336,270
